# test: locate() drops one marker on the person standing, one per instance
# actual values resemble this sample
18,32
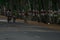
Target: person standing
14,16
51,17
9,16
55,15
25,17
38,17
58,21
43,17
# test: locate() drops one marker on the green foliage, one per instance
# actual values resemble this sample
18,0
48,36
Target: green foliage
34,4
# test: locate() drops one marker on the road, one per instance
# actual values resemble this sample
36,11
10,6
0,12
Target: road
23,31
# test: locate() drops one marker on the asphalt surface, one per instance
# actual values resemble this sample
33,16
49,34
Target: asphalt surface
23,31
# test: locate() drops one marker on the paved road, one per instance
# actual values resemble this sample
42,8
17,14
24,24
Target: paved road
23,31
26,35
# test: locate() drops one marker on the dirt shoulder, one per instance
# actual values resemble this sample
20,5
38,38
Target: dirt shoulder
51,26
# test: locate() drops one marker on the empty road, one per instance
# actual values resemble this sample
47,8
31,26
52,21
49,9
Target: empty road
23,31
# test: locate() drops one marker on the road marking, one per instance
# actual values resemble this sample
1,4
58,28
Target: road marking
37,36
6,34
3,20
25,32
29,30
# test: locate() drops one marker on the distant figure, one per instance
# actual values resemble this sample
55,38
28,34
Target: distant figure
38,17
8,16
25,17
14,16
55,17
